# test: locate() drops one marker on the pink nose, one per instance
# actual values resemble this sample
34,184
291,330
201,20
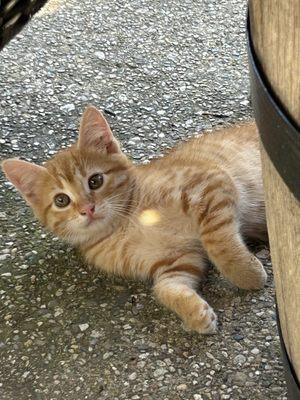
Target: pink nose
87,210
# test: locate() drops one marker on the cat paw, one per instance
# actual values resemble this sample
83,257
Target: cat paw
203,320
252,276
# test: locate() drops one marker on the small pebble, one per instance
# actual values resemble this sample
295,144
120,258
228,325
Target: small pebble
132,376
239,359
83,327
100,55
198,397
159,372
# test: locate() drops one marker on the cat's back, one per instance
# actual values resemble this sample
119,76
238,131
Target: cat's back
234,149
225,147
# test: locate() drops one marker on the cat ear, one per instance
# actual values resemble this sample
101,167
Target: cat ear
24,176
95,132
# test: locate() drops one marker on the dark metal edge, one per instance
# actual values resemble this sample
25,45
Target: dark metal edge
26,9
291,379
279,133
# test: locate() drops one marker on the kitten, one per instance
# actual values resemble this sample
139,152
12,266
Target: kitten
162,220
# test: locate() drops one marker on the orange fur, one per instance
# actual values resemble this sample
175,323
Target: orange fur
162,220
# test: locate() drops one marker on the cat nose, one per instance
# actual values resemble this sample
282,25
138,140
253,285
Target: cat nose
87,210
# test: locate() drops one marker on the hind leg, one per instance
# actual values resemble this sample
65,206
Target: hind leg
214,206
226,249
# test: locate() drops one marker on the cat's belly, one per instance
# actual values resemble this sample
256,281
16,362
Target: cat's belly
253,221
255,231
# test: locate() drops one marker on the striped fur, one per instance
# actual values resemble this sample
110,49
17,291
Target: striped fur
161,221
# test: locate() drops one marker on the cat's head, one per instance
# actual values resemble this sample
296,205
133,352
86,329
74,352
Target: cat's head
83,191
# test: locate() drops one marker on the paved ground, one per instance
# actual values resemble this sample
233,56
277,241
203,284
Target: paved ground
161,70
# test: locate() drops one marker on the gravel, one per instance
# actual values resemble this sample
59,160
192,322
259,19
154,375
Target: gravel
160,71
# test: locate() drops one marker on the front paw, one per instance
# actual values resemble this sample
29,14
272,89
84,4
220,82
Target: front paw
202,320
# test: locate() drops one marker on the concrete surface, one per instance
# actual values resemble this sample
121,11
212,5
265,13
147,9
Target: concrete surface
162,70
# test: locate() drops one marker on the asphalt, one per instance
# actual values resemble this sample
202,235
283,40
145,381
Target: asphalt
161,71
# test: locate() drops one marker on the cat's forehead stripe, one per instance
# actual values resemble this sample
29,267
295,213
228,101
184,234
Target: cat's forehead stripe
57,181
69,170
78,163
64,166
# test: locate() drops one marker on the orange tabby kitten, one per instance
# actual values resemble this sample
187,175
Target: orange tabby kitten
162,220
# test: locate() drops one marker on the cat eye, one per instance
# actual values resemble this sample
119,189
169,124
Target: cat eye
95,181
62,200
